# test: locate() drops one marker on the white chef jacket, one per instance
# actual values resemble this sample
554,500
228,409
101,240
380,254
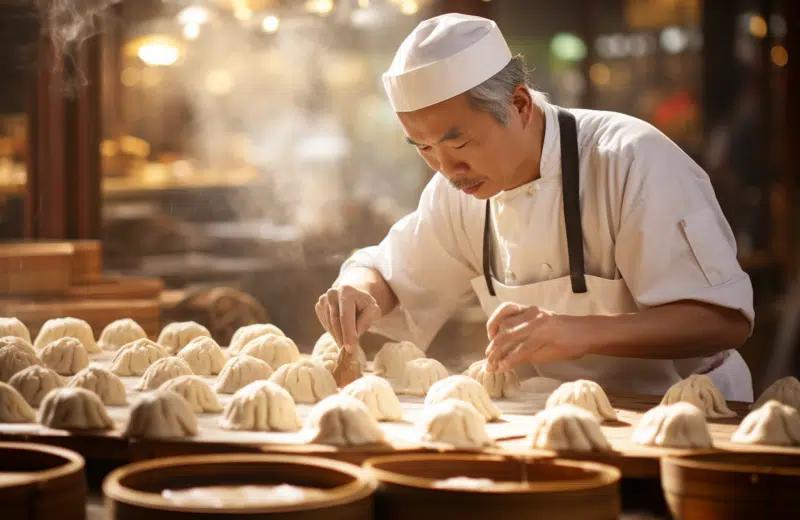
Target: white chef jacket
648,211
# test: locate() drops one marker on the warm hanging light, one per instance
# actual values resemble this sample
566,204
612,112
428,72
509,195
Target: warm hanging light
242,11
194,15
322,7
409,7
270,24
158,51
191,31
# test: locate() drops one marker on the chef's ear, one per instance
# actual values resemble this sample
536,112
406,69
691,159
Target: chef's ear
522,102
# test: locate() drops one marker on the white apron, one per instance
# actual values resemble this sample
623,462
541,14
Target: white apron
579,295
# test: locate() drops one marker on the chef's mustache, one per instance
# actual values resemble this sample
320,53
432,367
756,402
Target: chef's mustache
463,183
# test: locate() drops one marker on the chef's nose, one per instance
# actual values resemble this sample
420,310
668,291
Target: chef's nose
450,166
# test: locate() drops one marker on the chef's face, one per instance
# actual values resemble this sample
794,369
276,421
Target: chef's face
476,152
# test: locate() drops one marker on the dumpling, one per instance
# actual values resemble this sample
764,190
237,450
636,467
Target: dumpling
67,356
699,390
17,342
134,358
240,371
177,335
275,351
585,394
497,384
420,374
343,420
67,328
13,408
14,358
679,425
785,390
119,333
377,395
391,359
35,382
466,389
455,423
204,356
14,327
306,381
248,333
107,385
161,414
74,409
197,393
567,427
261,406
327,351
162,370
772,424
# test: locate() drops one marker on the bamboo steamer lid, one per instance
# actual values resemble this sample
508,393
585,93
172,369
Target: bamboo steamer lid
35,268
553,489
40,482
133,492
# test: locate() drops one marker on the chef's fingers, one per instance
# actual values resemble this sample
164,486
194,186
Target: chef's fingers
347,315
333,316
505,310
510,337
368,314
321,308
544,354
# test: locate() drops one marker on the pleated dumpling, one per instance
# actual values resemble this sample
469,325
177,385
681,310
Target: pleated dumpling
390,361
585,394
35,382
163,370
497,384
679,425
327,351
261,406
161,414
107,385
67,356
177,335
343,420
240,371
455,423
420,375
74,409
198,393
785,390
699,390
377,395
134,358
771,424
466,389
567,427
67,328
14,358
307,381
14,327
204,355
19,343
274,350
248,333
119,333
13,408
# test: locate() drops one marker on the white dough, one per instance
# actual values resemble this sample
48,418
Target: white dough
343,420
34,382
585,394
771,424
67,327
161,414
163,370
785,390
466,389
307,381
17,342
13,408
497,384
567,427
134,358
679,425
248,333
419,375
119,333
177,335
14,358
326,351
274,350
455,423
74,409
107,385
699,390
390,361
240,371
14,327
204,356
261,406
377,395
67,356
197,393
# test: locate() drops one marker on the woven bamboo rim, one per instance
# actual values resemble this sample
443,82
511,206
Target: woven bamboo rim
700,460
73,463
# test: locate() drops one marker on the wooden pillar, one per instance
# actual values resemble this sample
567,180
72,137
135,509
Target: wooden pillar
791,173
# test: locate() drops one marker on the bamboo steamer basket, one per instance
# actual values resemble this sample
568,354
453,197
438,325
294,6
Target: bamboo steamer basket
555,489
87,262
133,492
35,268
732,485
40,482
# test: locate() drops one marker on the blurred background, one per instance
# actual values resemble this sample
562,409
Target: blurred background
230,154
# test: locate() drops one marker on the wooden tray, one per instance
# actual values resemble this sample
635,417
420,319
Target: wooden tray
35,268
118,288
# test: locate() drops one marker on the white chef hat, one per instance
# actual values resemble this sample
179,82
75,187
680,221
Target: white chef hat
443,57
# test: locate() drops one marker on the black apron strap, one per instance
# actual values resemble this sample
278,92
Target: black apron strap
487,248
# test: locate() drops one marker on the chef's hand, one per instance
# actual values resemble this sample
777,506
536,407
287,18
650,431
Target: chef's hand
520,334
346,313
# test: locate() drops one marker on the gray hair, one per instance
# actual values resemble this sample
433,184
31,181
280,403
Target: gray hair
494,94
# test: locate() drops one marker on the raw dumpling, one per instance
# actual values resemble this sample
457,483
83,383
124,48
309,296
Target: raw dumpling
699,390
240,371
343,420
14,358
248,333
204,356
306,381
67,328
177,335
261,406
13,408
377,395
161,414
455,423
17,342
275,351
772,424
466,389
679,425
35,382
785,390
163,370
585,394
119,333
420,374
567,428
497,384
74,409
14,327
67,356
134,358
107,385
326,351
197,393
391,359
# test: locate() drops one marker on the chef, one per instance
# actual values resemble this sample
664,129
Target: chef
595,245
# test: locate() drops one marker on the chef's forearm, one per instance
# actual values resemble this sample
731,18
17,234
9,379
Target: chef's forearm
676,330
370,281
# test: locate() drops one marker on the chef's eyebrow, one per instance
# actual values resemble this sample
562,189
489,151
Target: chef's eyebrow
453,133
